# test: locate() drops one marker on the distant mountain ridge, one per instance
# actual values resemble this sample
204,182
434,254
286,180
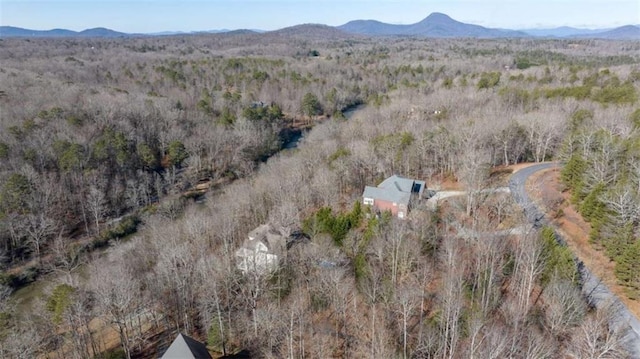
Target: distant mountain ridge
311,31
436,25
627,32
562,31
441,25
11,31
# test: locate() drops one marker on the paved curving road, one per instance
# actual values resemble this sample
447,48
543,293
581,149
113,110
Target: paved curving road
597,293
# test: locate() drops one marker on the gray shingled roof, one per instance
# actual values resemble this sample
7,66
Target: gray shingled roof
402,184
388,195
394,189
184,347
267,234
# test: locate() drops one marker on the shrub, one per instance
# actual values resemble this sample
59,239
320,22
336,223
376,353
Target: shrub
4,150
634,118
616,94
215,338
559,260
577,92
339,153
59,301
523,63
128,225
489,80
572,175
21,279
360,268
14,192
447,82
338,225
628,269
592,208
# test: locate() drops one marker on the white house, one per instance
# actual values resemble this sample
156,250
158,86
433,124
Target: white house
261,251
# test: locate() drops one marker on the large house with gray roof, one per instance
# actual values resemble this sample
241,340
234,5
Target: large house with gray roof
395,194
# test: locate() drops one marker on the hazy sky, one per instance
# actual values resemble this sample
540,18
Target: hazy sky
196,15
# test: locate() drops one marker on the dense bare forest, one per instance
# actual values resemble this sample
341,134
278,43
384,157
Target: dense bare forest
132,170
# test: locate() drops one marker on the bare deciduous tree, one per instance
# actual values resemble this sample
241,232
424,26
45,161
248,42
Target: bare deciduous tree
451,299
405,300
597,338
95,203
116,299
564,307
39,228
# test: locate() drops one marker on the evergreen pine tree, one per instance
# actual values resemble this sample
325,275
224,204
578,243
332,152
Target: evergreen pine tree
572,176
592,208
621,239
628,268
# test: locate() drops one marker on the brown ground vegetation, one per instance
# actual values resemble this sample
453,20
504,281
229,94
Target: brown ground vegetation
547,191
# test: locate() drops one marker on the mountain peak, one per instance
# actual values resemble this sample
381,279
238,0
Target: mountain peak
435,25
438,16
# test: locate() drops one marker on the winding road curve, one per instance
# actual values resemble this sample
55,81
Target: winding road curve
597,293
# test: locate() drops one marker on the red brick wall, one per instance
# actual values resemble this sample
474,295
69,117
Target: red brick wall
386,206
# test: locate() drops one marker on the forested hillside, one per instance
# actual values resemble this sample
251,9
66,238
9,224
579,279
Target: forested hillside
603,172
131,170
